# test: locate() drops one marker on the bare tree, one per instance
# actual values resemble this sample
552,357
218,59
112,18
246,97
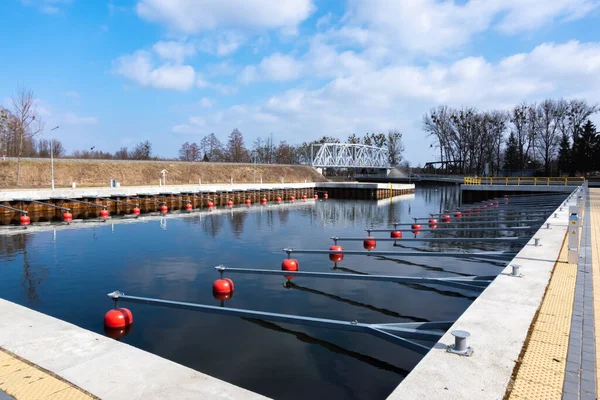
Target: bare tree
58,148
236,150
185,152
142,151
395,147
122,154
550,114
195,152
212,148
28,122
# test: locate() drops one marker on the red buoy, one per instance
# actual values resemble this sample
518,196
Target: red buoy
115,319
304,197
230,283
289,264
325,196
25,220
104,213
278,199
316,196
222,286
336,257
248,202
445,216
396,234
292,198
458,214
416,227
210,204
506,200
188,206
468,212
369,243
263,201
433,223
496,204
483,207
475,209
230,203
67,217
164,209
491,204
136,211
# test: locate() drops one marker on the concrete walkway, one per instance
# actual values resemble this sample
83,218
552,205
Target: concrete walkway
561,357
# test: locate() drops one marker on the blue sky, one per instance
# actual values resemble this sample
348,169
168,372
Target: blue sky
112,73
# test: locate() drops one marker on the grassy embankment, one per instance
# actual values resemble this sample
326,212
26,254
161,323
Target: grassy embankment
36,174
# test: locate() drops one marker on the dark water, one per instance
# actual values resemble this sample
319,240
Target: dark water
66,273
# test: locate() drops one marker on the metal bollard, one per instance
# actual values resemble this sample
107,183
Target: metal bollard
547,225
460,343
536,242
516,270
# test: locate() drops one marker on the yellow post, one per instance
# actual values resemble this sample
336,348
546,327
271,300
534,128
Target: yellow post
566,180
519,181
534,181
506,181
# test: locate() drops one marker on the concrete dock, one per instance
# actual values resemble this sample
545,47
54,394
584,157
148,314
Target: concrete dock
533,337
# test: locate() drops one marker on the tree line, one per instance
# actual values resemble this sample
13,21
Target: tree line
265,150
528,136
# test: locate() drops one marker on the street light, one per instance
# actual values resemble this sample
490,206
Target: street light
52,156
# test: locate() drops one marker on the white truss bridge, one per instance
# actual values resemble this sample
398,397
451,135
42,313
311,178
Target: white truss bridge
346,155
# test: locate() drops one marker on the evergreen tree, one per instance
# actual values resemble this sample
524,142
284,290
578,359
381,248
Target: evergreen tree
511,155
564,155
586,148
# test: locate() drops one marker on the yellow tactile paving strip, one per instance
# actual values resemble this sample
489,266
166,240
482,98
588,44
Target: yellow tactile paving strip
542,369
595,220
24,381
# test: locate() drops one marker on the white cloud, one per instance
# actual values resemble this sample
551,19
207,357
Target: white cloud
73,119
138,67
174,51
228,43
432,26
276,67
321,60
188,16
396,95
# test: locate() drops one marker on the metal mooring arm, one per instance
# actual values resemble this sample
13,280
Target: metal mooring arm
396,333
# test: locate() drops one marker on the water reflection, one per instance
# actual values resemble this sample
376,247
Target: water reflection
47,269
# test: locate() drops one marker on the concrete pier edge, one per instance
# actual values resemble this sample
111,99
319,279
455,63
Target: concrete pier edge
498,321
102,366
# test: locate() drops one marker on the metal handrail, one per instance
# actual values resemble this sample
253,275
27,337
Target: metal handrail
522,180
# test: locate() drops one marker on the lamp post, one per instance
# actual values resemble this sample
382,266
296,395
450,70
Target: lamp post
52,156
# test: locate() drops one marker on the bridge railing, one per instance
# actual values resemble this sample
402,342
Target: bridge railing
523,180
